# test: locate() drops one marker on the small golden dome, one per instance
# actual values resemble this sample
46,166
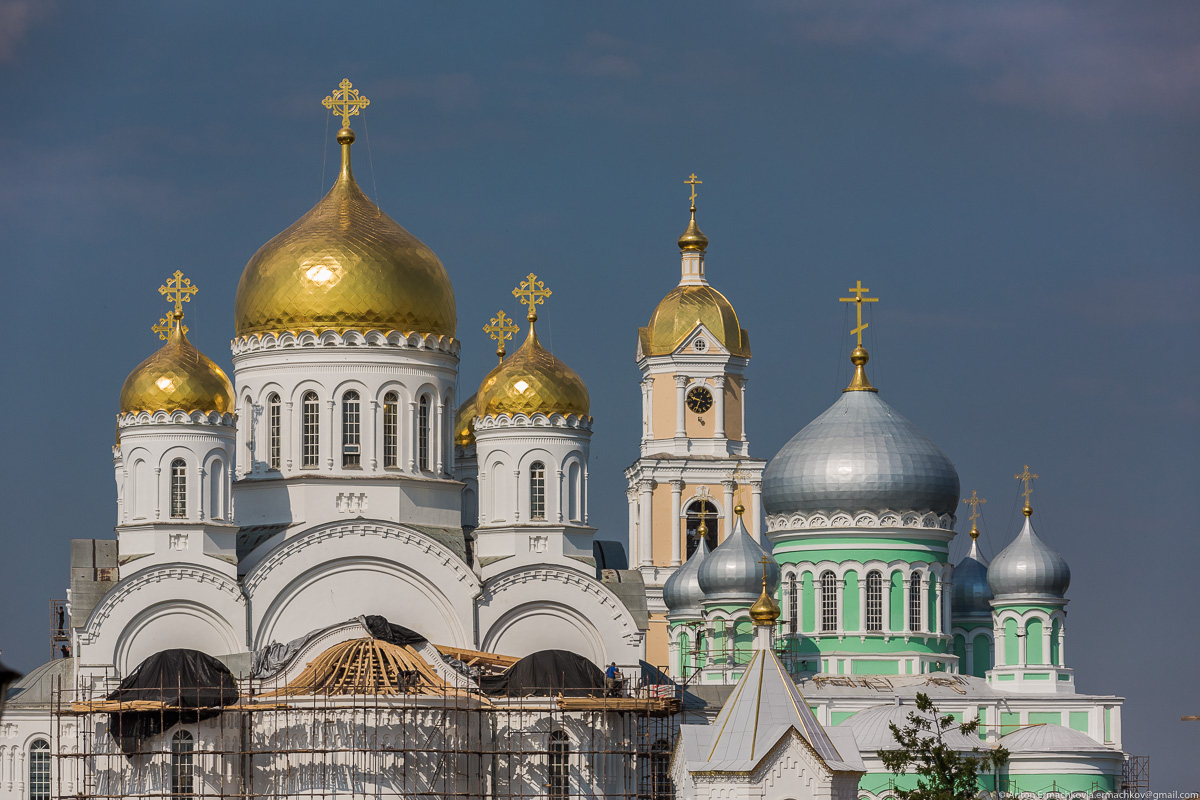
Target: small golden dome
859,383
177,377
765,610
345,265
693,238
464,422
687,306
532,381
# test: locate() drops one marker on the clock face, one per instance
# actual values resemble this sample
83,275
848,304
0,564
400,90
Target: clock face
699,400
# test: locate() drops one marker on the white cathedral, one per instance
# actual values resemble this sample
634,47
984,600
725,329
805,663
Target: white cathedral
333,577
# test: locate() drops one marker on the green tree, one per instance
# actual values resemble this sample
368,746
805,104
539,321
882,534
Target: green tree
945,771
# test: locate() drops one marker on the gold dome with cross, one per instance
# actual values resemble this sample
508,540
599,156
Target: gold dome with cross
345,265
531,380
177,377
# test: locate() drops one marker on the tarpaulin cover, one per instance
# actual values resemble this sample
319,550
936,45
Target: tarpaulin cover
193,686
390,632
547,672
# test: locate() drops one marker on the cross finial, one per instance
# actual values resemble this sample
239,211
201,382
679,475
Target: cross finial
858,299
178,290
167,324
974,501
694,181
764,561
345,102
1027,478
499,329
531,292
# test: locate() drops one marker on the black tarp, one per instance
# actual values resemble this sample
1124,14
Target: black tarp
193,685
547,673
390,632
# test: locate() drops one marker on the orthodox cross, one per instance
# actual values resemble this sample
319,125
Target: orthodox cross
974,501
178,290
858,299
764,561
694,181
499,329
166,325
1027,478
345,102
531,292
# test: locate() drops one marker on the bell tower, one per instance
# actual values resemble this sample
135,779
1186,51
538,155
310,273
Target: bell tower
694,456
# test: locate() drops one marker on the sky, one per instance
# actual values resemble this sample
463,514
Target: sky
1019,183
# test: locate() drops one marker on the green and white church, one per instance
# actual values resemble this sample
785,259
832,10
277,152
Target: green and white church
860,511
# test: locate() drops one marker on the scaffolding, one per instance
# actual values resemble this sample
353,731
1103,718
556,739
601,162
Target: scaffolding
389,729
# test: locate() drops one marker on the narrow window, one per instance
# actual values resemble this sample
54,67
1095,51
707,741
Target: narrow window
351,430
39,770
391,430
560,766
793,601
182,747
423,434
914,603
537,490
310,430
874,601
178,489
660,770
274,432
829,601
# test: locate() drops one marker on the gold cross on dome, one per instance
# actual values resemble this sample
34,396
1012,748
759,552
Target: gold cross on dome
974,501
345,102
1026,478
499,329
694,181
858,299
178,290
531,292
166,325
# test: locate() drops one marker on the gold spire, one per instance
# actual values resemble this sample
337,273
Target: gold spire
531,292
1026,477
499,329
859,355
765,610
974,501
693,238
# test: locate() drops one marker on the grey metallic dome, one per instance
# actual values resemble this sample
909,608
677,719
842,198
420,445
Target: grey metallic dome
971,596
682,592
860,455
733,572
872,731
1028,568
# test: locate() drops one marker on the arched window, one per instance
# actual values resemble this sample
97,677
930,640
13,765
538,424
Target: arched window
274,432
560,766
914,603
793,607
423,434
829,601
660,770
693,524
537,490
182,775
178,489
39,770
310,431
874,601
391,430
351,430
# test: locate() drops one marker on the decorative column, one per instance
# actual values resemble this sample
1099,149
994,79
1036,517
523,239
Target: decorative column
727,499
906,603
862,599
676,534
371,433
410,440
719,405
333,437
289,426
1062,643
756,510
438,430
634,546
936,627
999,644
681,382
1022,655
486,512
1046,652
203,473
645,535
743,381
885,581
448,439
560,496
584,499
647,409
969,667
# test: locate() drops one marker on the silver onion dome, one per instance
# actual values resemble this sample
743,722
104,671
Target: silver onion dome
1028,568
972,596
860,455
733,573
682,592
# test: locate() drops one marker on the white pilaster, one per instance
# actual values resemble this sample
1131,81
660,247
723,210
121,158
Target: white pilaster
645,534
676,533
634,545
719,405
756,510
727,499
681,382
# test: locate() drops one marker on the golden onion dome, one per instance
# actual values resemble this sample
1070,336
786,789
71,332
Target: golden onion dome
687,306
178,377
464,422
345,265
693,238
532,381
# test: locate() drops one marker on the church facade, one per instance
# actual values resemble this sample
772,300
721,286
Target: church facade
362,581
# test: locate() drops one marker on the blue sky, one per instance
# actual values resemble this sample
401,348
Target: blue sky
1018,182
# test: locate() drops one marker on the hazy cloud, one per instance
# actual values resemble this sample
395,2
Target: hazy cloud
1095,58
16,18
604,56
449,91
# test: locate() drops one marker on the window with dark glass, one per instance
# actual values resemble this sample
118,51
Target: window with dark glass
914,603
423,434
351,430
874,616
178,489
391,430
829,601
182,765
39,770
274,432
310,432
560,766
537,490
694,510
